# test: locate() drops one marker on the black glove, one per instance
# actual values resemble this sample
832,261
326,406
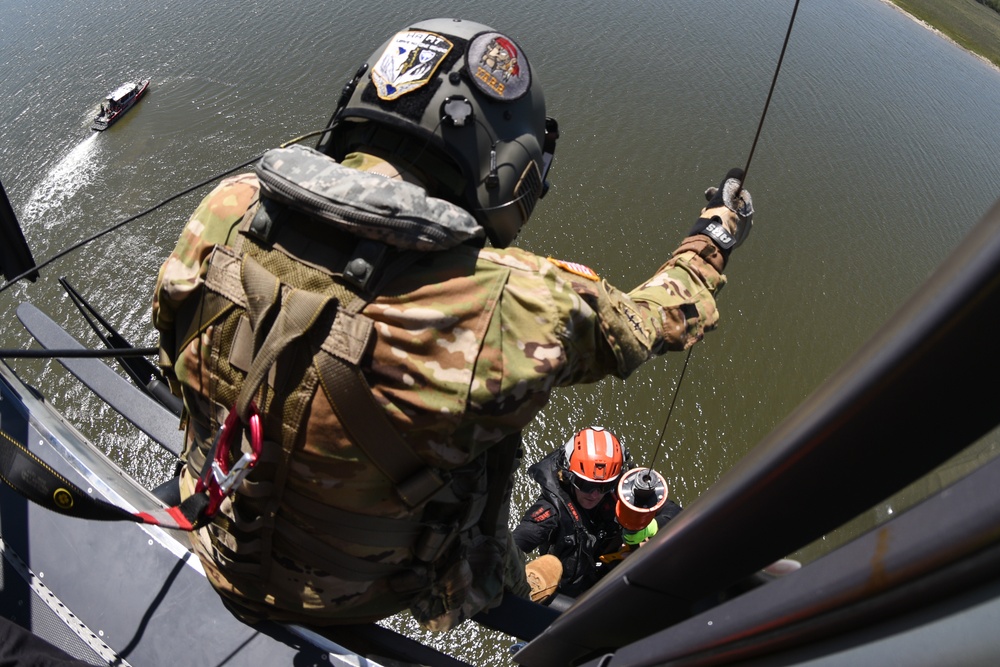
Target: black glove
728,217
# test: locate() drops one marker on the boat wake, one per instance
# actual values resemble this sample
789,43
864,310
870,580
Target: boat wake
69,176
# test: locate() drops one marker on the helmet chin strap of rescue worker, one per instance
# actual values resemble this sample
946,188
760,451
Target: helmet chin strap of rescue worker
456,103
595,458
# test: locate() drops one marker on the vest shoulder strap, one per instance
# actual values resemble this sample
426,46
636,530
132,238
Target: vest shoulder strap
337,361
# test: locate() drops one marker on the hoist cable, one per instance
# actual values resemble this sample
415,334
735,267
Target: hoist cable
746,169
671,409
767,103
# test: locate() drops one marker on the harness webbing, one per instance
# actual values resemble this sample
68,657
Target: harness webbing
38,482
337,365
368,425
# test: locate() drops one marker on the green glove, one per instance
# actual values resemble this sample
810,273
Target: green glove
637,537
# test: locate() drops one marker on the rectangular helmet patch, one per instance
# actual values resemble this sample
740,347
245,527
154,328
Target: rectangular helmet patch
409,62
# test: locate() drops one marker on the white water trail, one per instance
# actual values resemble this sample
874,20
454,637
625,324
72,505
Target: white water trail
69,176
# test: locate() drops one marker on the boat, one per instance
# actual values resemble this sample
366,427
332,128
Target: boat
921,588
119,101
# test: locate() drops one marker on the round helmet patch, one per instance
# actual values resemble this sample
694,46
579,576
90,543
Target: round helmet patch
409,62
498,66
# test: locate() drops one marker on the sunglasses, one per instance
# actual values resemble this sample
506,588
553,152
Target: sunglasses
586,486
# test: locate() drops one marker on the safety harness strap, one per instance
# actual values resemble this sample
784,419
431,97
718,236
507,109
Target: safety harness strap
503,459
336,362
366,529
369,426
299,544
31,477
296,316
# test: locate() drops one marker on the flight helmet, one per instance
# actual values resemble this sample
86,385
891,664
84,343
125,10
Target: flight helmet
457,102
594,456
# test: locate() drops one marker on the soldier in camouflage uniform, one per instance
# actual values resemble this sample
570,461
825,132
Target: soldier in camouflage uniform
364,265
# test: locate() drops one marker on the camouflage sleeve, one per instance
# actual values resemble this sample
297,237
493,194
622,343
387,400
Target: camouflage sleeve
213,223
678,302
672,310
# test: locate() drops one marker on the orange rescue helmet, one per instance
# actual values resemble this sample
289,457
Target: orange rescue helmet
595,455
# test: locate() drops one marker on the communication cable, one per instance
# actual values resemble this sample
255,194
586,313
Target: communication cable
122,223
117,225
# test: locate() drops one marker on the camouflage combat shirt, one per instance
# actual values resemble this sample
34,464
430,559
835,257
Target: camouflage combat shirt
469,344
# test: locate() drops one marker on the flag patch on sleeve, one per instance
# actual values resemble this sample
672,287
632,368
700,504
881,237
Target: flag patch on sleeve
578,269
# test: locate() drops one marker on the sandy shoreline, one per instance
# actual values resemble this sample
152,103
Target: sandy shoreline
941,34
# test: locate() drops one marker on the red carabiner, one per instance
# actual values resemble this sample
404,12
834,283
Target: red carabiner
219,481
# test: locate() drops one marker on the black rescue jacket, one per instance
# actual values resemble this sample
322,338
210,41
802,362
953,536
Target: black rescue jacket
557,525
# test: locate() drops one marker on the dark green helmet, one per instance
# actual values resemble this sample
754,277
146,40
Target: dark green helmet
458,102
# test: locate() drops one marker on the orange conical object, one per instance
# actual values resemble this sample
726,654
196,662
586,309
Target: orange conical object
641,494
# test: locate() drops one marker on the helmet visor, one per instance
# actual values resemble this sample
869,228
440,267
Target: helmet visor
586,486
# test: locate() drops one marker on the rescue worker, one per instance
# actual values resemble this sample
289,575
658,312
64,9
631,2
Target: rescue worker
574,519
375,360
